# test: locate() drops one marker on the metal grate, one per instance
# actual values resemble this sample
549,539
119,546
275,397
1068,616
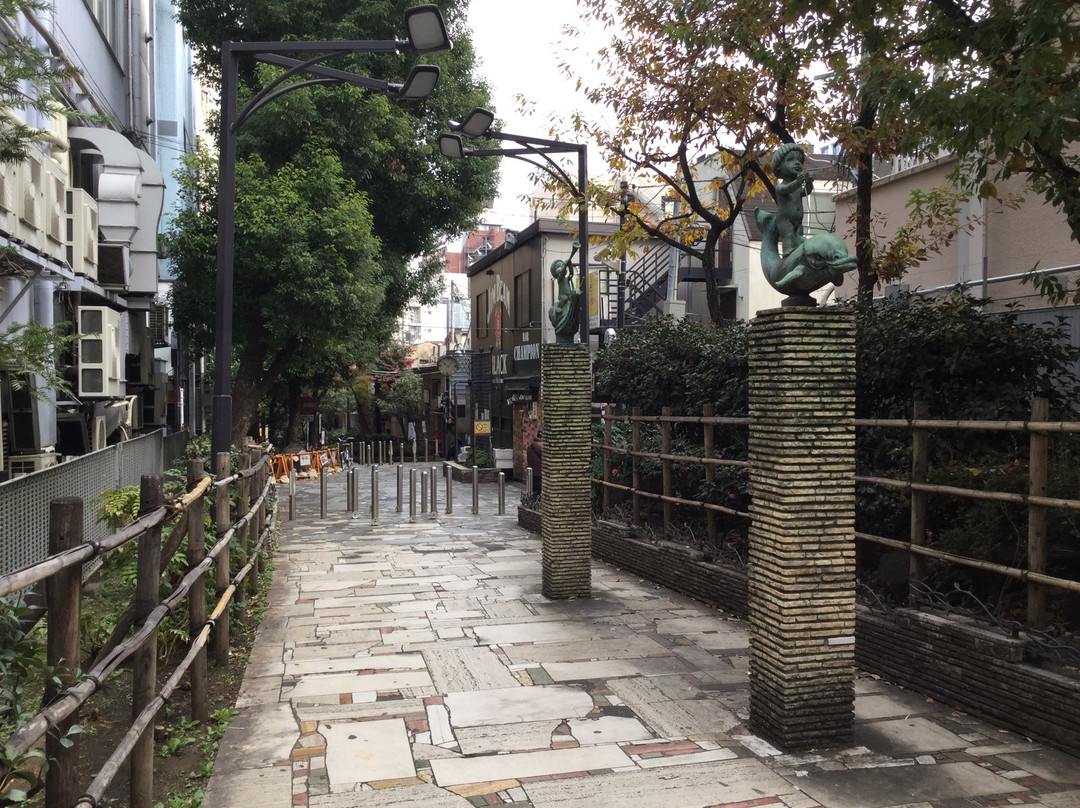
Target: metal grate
24,502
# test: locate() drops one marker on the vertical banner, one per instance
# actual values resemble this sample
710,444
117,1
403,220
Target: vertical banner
594,298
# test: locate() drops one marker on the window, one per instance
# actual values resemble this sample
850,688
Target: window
107,14
480,315
522,300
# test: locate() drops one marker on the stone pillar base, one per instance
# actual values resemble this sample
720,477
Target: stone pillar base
802,534
566,390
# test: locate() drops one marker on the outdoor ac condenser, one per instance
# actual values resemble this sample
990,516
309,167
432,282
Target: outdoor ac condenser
99,364
81,233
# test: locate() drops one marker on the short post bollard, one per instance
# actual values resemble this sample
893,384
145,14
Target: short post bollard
412,495
434,476
350,503
449,488
414,450
375,497
528,481
400,475
356,493
292,494
502,493
423,492
374,471
476,489
322,492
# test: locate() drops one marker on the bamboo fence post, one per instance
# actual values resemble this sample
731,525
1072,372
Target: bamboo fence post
708,439
196,552
222,522
1038,444
258,523
64,604
144,660
665,431
243,503
635,479
920,466
607,459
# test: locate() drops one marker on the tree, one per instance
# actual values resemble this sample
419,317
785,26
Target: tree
685,80
386,149
307,273
33,348
1005,93
27,77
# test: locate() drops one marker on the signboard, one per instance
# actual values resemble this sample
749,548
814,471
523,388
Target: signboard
482,427
307,405
305,461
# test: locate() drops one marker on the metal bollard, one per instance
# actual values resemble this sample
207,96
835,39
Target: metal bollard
400,474
412,495
502,493
476,489
423,491
414,450
434,492
375,497
292,494
356,493
350,503
390,456
449,488
528,481
322,492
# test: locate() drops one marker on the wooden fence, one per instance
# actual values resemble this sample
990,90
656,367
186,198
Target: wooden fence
62,571
1037,427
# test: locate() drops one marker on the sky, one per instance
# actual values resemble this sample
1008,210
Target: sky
519,46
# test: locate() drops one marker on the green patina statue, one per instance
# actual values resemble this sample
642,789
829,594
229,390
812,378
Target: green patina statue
807,264
565,315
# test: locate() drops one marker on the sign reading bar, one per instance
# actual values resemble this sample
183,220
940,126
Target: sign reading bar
482,427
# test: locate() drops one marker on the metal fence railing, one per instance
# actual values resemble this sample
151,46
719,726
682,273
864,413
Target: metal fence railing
24,501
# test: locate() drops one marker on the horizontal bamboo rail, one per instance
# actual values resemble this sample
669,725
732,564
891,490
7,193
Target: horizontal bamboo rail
972,493
974,563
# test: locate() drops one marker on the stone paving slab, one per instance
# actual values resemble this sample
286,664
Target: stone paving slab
420,665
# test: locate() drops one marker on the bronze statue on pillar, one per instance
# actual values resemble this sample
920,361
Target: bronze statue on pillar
807,264
565,314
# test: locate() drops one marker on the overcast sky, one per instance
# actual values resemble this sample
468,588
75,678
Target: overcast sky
519,46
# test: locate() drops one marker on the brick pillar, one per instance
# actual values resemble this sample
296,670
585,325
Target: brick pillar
566,390
802,533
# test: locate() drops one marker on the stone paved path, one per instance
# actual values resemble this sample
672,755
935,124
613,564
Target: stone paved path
419,665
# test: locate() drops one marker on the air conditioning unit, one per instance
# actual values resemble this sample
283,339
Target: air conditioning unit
158,322
55,219
9,194
134,418
31,200
28,464
81,233
3,426
100,436
99,364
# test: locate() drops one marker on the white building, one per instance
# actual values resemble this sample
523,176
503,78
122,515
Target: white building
82,215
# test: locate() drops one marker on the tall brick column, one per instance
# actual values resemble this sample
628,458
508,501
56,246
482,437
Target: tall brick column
802,533
566,390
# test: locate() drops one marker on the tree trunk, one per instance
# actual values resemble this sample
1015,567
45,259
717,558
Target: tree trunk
292,431
864,184
253,382
708,268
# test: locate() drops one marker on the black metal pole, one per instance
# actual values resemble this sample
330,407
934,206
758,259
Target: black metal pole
583,234
620,300
221,434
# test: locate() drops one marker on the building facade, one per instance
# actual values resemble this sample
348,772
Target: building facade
81,217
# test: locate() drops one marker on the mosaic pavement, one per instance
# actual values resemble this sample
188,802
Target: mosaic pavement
417,664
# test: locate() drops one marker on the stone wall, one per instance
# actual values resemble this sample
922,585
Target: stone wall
566,511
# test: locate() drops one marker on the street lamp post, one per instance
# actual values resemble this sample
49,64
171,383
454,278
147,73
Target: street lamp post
478,124
426,33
